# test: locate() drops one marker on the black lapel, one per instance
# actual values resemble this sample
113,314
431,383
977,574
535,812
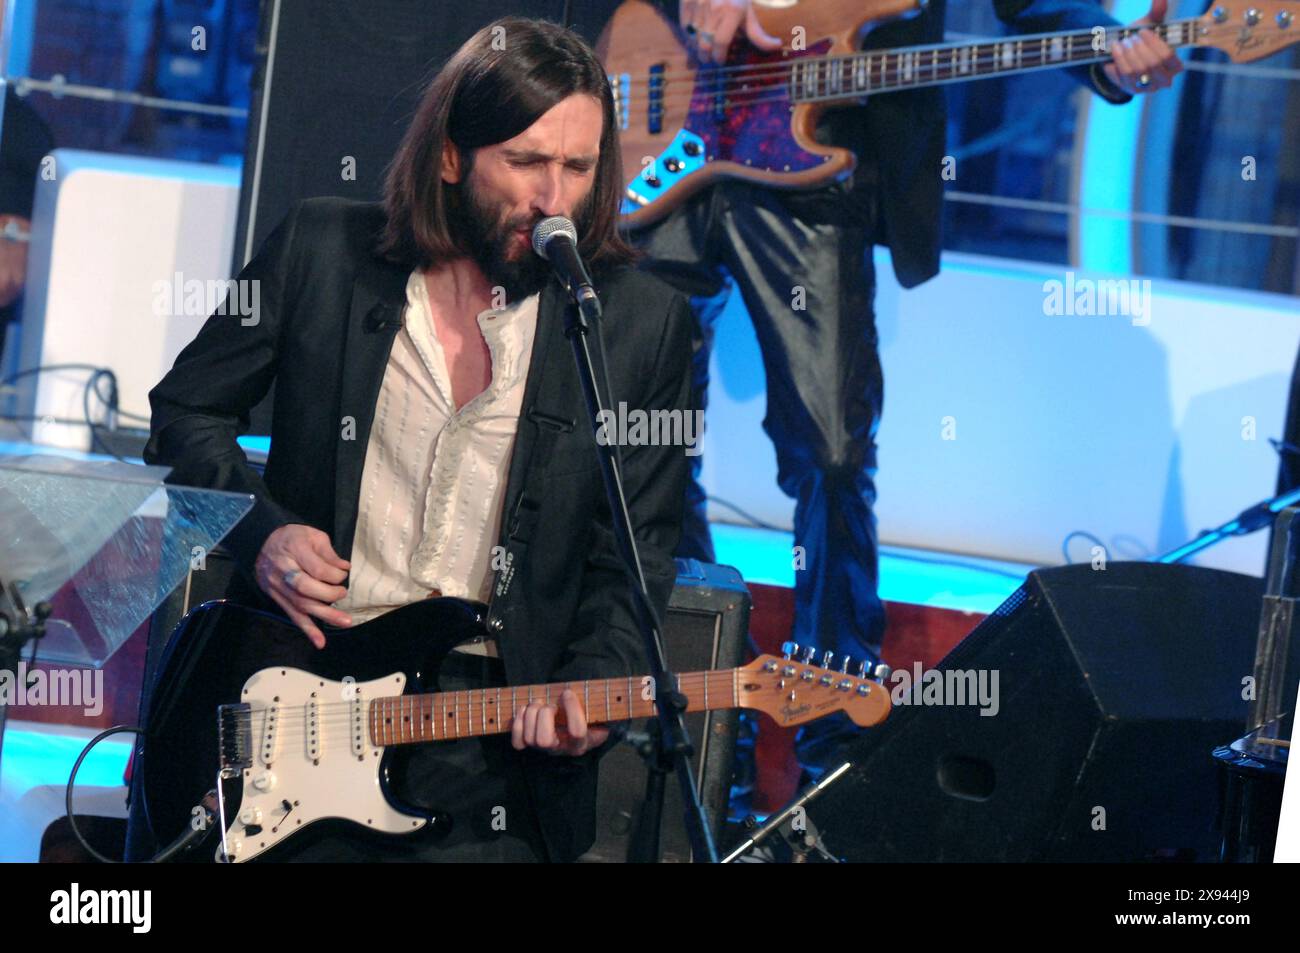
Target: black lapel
374,317
547,347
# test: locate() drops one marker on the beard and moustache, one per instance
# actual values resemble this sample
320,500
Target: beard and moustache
489,240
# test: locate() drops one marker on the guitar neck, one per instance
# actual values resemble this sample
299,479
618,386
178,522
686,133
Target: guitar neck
439,716
844,79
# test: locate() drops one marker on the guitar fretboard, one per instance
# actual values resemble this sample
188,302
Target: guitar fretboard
407,719
818,79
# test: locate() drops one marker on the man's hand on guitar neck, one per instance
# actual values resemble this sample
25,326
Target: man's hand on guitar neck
299,569
1144,63
535,727
712,24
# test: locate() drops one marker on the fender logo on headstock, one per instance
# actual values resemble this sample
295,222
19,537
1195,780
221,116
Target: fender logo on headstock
1246,40
789,711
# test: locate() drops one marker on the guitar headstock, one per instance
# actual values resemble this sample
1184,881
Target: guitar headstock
1249,29
796,690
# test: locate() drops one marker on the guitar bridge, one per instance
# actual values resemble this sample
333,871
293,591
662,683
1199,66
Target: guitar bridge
234,737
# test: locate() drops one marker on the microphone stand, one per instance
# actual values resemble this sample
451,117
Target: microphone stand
1247,521
672,747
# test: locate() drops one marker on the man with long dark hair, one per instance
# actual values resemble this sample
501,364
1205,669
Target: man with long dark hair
429,434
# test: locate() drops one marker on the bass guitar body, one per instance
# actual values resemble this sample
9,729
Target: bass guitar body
684,125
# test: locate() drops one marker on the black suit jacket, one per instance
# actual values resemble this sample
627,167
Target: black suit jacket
330,309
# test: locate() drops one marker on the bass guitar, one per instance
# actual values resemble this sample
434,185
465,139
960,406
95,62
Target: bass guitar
683,125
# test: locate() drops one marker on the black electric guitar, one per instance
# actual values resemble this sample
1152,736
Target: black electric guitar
304,739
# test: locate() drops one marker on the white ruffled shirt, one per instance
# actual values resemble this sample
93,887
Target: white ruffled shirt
434,481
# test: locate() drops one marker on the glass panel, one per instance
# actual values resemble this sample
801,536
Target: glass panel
113,534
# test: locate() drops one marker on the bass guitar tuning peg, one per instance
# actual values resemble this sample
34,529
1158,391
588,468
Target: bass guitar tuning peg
808,654
828,659
789,648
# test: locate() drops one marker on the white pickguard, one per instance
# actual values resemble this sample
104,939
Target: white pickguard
333,772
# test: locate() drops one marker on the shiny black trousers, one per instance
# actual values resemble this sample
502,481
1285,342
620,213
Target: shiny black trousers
808,287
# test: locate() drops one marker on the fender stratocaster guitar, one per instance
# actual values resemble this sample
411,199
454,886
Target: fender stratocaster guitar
305,740
683,125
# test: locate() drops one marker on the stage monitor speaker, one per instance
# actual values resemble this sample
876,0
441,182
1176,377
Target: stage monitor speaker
1113,688
707,627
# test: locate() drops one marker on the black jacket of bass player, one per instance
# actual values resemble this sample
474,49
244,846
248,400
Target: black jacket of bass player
329,311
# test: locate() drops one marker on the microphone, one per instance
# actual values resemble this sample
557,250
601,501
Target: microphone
556,240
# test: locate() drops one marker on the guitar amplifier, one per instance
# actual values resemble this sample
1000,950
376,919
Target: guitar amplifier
707,627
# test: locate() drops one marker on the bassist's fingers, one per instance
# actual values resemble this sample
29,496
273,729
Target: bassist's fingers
757,35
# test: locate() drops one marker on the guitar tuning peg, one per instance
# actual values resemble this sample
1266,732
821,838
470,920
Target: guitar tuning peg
862,669
881,672
808,654
789,648
844,666
828,659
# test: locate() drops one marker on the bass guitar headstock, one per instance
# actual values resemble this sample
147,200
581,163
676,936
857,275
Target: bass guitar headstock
1249,29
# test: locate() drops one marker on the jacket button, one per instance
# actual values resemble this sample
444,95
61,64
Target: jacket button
496,625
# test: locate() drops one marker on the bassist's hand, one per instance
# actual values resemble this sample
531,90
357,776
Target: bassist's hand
712,24
299,569
1144,63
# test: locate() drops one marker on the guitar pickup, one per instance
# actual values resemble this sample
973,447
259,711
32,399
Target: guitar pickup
655,100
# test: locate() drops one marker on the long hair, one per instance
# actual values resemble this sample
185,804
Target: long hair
494,87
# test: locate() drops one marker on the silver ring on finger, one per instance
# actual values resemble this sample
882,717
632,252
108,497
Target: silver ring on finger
1144,81
289,576
706,38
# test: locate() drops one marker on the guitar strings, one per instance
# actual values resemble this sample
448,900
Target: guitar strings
777,93
334,713
344,708
707,78
756,70
336,728
924,75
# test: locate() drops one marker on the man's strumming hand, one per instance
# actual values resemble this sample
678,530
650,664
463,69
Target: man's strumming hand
299,569
535,727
